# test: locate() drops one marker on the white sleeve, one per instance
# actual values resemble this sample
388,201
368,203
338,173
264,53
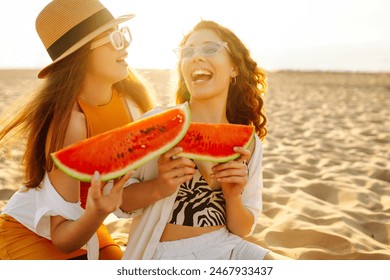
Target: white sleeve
50,203
252,194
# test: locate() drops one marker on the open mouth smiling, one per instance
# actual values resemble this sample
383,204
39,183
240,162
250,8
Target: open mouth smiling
201,75
121,59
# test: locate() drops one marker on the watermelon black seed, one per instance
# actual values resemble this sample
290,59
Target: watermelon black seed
146,131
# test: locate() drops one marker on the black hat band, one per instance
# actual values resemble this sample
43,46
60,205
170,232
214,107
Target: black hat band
78,32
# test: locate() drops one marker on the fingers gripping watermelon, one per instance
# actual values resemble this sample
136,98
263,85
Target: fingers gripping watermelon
115,152
215,142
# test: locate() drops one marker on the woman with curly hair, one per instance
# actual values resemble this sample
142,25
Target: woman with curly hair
244,98
204,210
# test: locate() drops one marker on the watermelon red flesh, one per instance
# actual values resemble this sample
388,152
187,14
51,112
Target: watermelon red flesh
115,152
215,142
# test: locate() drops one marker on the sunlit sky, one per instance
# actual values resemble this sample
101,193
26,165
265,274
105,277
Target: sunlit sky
351,35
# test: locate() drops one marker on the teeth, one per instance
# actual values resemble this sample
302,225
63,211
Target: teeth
121,58
200,72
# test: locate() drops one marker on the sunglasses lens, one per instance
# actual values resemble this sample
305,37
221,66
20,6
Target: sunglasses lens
210,48
187,52
206,49
117,39
126,35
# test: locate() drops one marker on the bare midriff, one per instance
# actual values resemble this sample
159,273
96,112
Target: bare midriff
175,232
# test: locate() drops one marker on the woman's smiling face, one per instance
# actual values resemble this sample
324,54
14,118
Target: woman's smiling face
207,76
107,63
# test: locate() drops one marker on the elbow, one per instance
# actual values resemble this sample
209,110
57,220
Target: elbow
244,233
61,237
240,231
64,245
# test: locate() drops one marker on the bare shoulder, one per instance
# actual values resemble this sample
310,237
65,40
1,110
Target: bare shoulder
77,128
76,131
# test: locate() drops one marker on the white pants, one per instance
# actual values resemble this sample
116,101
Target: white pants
216,245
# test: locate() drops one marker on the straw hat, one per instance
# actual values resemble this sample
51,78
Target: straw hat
66,25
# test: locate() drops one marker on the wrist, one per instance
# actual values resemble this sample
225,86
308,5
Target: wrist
234,198
157,190
161,189
91,214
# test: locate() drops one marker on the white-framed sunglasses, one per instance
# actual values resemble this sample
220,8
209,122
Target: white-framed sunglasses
117,38
206,49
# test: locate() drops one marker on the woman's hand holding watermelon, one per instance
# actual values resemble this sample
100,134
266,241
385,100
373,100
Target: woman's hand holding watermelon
233,177
173,171
104,202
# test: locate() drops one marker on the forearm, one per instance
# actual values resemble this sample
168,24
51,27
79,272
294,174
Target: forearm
142,194
70,235
239,219
172,172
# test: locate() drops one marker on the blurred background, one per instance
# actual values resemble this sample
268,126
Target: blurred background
331,35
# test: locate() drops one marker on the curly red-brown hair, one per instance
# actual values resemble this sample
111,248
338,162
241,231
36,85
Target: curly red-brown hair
245,103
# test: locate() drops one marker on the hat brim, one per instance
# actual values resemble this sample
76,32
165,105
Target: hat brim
43,73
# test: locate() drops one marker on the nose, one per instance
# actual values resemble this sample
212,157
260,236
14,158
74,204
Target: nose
197,55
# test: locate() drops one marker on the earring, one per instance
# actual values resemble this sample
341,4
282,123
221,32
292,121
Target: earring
233,81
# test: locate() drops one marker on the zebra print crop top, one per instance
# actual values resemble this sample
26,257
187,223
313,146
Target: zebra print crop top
198,205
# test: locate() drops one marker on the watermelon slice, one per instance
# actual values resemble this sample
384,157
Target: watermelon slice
215,142
115,152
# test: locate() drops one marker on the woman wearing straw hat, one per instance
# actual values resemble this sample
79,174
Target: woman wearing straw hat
88,89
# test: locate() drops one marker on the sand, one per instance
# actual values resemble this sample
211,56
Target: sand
326,162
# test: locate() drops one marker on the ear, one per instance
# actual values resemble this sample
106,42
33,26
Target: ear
234,72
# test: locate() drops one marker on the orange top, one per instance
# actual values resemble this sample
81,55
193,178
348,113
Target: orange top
100,119
105,117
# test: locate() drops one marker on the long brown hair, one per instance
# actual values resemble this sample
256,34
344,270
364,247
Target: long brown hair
245,103
52,106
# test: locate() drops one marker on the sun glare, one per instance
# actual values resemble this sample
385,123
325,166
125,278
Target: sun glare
159,26
283,34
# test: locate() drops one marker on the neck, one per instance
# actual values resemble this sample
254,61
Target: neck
208,112
96,92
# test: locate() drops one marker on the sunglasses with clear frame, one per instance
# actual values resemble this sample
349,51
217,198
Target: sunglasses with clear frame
206,49
117,38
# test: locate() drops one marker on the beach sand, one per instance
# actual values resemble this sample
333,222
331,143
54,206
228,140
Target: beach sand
326,164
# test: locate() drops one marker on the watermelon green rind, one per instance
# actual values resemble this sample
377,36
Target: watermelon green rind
217,159
72,172
86,177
